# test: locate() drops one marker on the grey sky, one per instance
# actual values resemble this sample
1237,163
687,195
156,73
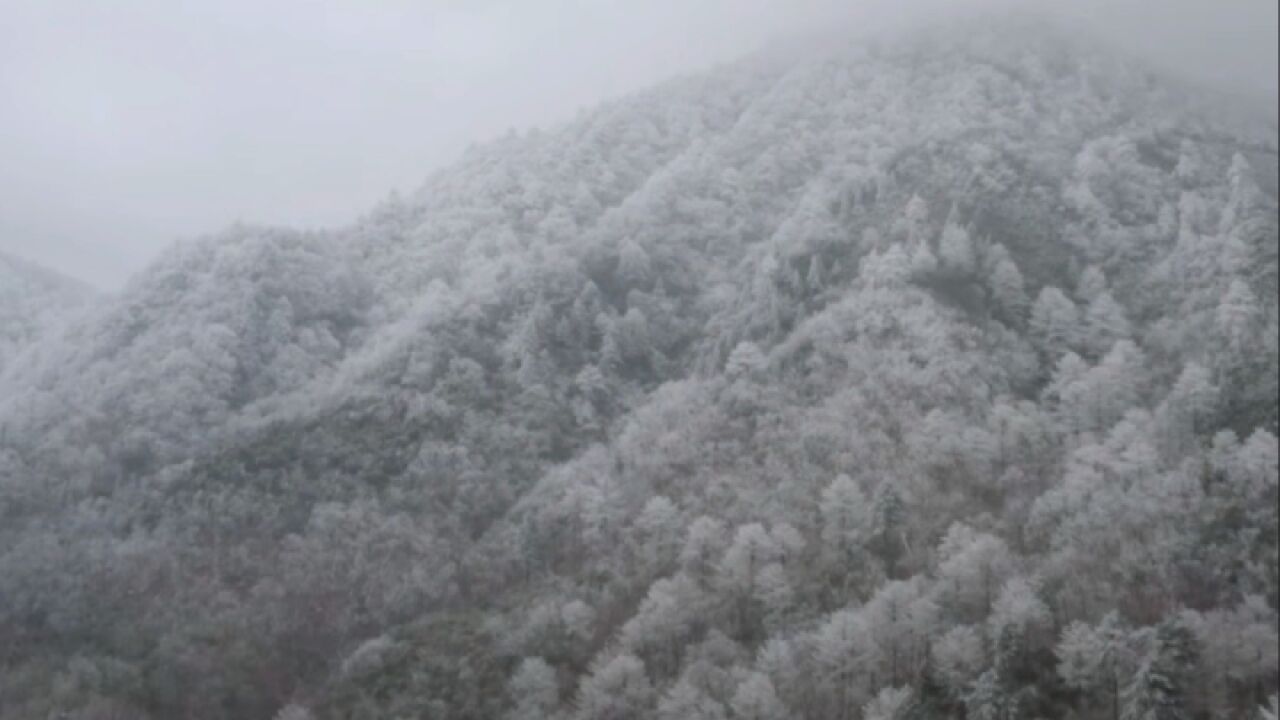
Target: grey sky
125,124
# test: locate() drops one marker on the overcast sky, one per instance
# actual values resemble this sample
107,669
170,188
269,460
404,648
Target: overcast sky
125,124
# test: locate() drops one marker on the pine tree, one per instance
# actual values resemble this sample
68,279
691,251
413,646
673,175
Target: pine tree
1096,660
837,653
1055,322
955,250
1237,314
751,551
886,536
634,267
917,221
1158,690
988,700
1009,292
1104,324
843,508
704,542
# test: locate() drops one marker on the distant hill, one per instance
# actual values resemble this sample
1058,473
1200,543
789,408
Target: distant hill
32,300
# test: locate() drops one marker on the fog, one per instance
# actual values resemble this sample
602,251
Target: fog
126,125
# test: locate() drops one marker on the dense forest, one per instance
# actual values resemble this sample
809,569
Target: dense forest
932,377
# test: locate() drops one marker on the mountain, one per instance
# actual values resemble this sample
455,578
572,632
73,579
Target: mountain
913,378
33,299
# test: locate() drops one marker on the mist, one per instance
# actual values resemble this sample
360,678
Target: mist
127,125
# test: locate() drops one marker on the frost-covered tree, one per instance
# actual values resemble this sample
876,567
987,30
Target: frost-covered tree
890,704
959,657
972,569
685,701
900,619
1159,687
988,699
1018,608
1236,316
634,266
1091,285
1055,322
739,574
1008,289
746,361
956,253
658,531
916,216
658,628
887,525
535,690
1236,652
755,699
1104,324
616,690
1188,408
845,528
293,711
838,647
704,544
1097,660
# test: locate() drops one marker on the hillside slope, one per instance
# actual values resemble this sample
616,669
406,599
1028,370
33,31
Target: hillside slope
897,380
32,301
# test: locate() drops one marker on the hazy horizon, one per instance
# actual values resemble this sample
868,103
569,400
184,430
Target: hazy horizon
126,129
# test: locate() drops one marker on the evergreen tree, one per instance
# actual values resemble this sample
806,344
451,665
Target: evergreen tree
1159,688
1055,322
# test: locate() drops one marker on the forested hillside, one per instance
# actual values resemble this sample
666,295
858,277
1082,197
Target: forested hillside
927,378
32,301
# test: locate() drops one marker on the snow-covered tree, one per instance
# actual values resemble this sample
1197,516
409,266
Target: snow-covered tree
838,648
704,543
1008,289
616,690
1104,324
845,525
1055,322
956,253
755,699
1158,689
746,361
685,701
890,704
1097,660
959,657
535,690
